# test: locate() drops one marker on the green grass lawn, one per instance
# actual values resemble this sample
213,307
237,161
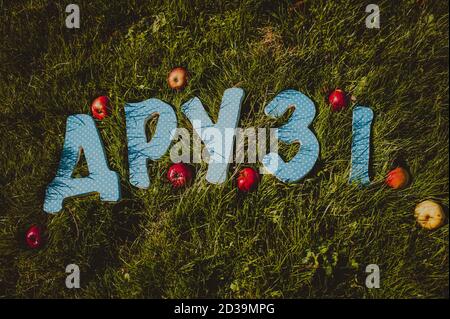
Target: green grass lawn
312,239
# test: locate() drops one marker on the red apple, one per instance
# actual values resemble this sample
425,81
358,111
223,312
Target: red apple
177,78
248,179
100,107
338,100
179,175
397,178
33,237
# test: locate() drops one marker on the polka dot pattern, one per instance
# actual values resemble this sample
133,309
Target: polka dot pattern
139,150
361,126
218,138
81,134
295,130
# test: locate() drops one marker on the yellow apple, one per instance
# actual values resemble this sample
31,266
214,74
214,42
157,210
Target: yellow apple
429,214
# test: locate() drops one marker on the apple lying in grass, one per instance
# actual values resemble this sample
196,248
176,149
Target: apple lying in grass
429,215
177,78
397,178
179,175
33,237
248,179
100,107
338,100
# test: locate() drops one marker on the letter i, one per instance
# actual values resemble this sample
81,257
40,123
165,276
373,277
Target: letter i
361,126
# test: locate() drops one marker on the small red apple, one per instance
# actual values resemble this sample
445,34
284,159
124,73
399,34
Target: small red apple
33,237
248,179
177,78
179,175
338,100
397,178
100,107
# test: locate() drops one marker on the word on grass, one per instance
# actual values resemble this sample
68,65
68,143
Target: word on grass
218,138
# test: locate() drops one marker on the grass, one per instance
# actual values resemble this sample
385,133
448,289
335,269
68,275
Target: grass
312,239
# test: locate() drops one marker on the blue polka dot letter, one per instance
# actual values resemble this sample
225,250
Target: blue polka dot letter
362,122
218,138
294,131
81,134
139,150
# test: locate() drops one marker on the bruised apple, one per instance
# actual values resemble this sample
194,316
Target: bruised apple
429,215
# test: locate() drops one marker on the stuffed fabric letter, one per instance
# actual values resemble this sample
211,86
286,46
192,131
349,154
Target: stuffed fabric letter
139,150
81,134
218,138
361,126
294,131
